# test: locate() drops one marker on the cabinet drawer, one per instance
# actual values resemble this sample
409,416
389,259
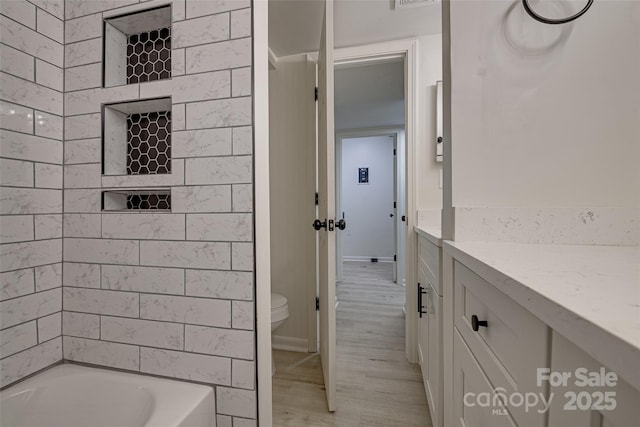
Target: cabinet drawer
511,347
429,257
469,383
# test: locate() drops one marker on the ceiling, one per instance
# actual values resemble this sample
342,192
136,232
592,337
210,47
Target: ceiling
294,25
369,96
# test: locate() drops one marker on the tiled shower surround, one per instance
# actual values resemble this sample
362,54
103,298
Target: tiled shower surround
164,293
31,150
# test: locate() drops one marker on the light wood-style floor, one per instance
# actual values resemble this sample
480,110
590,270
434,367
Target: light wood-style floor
376,385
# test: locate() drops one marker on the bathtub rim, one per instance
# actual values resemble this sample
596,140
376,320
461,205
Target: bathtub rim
169,392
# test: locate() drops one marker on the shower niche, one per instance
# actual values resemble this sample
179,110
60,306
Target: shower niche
157,200
137,47
136,137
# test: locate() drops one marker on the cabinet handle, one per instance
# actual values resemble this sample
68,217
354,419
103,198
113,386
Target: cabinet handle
421,291
475,323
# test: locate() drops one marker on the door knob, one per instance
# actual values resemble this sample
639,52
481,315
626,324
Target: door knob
341,224
390,215
317,224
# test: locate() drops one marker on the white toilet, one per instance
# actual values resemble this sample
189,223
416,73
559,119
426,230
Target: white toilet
279,315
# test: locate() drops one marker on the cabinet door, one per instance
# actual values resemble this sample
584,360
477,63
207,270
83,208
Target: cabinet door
423,330
430,256
588,405
434,366
510,347
470,385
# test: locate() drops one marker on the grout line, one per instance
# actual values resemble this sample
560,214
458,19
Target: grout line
34,82
149,292
217,42
36,22
38,344
64,87
34,30
166,348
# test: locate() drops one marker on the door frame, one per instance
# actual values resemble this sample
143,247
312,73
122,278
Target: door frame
361,54
261,218
361,133
407,49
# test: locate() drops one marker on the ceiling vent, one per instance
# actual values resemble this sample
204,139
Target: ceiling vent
403,4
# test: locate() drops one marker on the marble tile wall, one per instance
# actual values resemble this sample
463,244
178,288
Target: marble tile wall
166,293
31,158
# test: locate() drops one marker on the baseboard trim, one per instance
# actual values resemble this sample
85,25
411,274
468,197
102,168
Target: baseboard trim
366,259
289,344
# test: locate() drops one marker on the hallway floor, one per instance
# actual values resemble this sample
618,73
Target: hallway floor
376,386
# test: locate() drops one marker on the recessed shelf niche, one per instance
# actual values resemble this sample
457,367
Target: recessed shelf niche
137,200
136,137
137,47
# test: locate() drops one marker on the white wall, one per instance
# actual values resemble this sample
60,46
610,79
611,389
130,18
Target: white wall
292,188
545,116
369,232
369,95
429,193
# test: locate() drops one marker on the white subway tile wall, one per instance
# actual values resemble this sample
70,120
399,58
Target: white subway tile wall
31,174
163,293
171,293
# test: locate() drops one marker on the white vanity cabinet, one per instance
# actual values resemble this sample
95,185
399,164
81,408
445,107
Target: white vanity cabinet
430,325
514,314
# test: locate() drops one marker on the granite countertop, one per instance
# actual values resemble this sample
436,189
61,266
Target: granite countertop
589,294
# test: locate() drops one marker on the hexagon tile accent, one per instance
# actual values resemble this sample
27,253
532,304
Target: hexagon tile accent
149,143
149,201
149,56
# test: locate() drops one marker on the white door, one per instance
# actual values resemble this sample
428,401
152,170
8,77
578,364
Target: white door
326,208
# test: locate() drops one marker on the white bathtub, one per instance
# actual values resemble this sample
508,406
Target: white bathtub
77,396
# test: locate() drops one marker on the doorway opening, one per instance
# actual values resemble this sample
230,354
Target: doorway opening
291,108
370,166
370,198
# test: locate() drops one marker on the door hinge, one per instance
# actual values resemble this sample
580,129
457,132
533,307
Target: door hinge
394,151
317,200
395,258
394,205
316,93
317,304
